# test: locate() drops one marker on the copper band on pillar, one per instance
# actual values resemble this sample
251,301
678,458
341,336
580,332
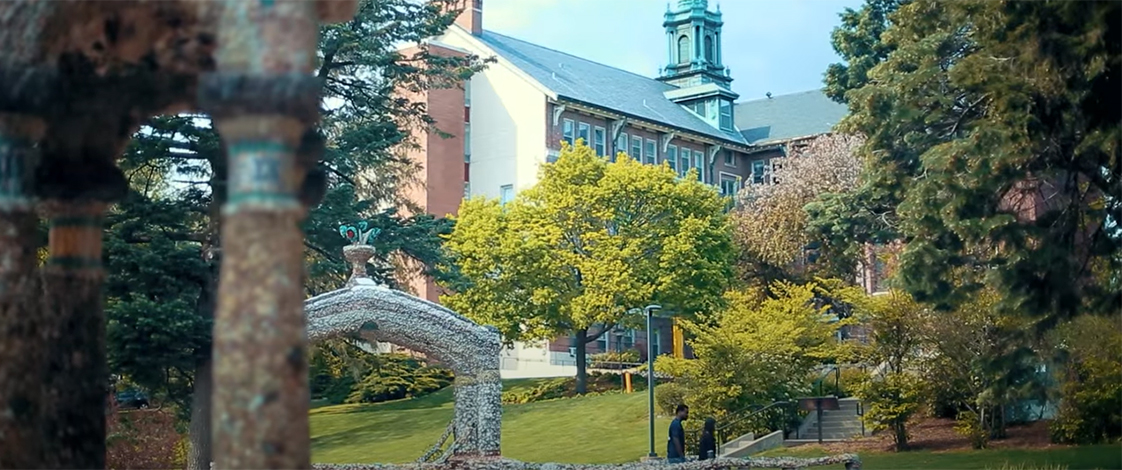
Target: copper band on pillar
22,344
75,236
261,176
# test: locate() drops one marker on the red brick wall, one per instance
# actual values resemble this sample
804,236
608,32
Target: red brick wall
441,159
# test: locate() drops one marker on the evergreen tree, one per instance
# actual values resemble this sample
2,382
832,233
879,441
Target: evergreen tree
993,151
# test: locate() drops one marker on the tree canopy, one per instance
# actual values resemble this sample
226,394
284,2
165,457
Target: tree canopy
590,241
993,149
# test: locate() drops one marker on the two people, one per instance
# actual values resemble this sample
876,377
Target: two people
676,444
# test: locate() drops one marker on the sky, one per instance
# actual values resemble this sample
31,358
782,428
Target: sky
777,46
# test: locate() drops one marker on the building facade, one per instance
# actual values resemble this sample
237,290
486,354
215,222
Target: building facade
511,118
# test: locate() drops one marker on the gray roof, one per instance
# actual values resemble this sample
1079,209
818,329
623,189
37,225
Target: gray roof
786,117
602,86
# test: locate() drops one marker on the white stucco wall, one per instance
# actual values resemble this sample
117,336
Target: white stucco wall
508,124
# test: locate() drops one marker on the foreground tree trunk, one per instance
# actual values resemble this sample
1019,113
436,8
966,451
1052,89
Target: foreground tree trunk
199,450
581,347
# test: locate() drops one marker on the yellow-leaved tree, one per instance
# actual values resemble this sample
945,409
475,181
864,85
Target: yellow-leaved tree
592,240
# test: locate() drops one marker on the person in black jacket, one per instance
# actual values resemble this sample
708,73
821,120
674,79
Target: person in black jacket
708,446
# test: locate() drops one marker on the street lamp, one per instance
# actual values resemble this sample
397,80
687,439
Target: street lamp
649,311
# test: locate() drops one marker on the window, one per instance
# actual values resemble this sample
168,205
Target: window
684,166
730,185
651,155
506,193
699,107
467,142
699,163
656,342
684,49
567,132
672,157
709,49
775,166
467,93
730,159
467,190
711,110
598,141
758,167
602,342
726,115
582,132
637,148
621,145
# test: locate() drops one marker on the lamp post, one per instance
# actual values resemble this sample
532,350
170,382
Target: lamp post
649,311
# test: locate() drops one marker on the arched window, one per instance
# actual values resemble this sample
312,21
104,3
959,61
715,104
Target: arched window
709,49
683,49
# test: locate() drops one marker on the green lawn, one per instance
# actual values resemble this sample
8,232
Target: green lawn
607,429
597,429
1105,456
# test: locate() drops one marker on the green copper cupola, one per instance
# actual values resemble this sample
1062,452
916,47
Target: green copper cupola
693,40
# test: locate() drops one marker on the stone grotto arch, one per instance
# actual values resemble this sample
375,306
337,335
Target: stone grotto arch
376,313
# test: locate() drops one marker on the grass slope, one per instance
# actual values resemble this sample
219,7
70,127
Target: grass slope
1106,456
596,429
607,429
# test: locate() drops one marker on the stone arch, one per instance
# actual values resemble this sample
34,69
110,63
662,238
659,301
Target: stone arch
375,312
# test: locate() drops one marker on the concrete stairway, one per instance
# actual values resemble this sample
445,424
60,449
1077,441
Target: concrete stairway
837,425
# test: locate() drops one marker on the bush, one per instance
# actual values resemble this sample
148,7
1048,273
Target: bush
614,360
143,440
890,403
968,425
1090,410
598,383
668,396
398,376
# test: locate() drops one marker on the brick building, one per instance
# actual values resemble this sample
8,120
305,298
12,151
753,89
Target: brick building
512,117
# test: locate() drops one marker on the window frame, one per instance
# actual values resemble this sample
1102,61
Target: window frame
584,131
686,156
672,157
637,148
467,142
503,191
599,140
729,177
569,132
650,152
624,138
699,164
730,159
760,178
724,120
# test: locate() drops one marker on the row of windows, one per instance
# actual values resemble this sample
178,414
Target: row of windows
643,150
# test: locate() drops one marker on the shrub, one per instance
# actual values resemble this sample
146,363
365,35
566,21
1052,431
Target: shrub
1090,410
968,425
890,403
668,396
397,376
614,360
143,440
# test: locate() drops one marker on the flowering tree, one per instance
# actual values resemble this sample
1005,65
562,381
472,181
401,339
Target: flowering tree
770,223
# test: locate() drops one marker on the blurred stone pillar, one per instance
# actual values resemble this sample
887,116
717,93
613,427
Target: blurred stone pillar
76,380
22,345
263,99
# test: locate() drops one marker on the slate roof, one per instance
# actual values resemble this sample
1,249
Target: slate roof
785,117
602,86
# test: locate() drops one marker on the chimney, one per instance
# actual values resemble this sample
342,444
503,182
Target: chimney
471,18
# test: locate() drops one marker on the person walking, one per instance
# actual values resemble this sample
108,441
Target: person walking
676,444
707,448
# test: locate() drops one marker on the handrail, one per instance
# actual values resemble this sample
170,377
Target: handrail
728,424
830,369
